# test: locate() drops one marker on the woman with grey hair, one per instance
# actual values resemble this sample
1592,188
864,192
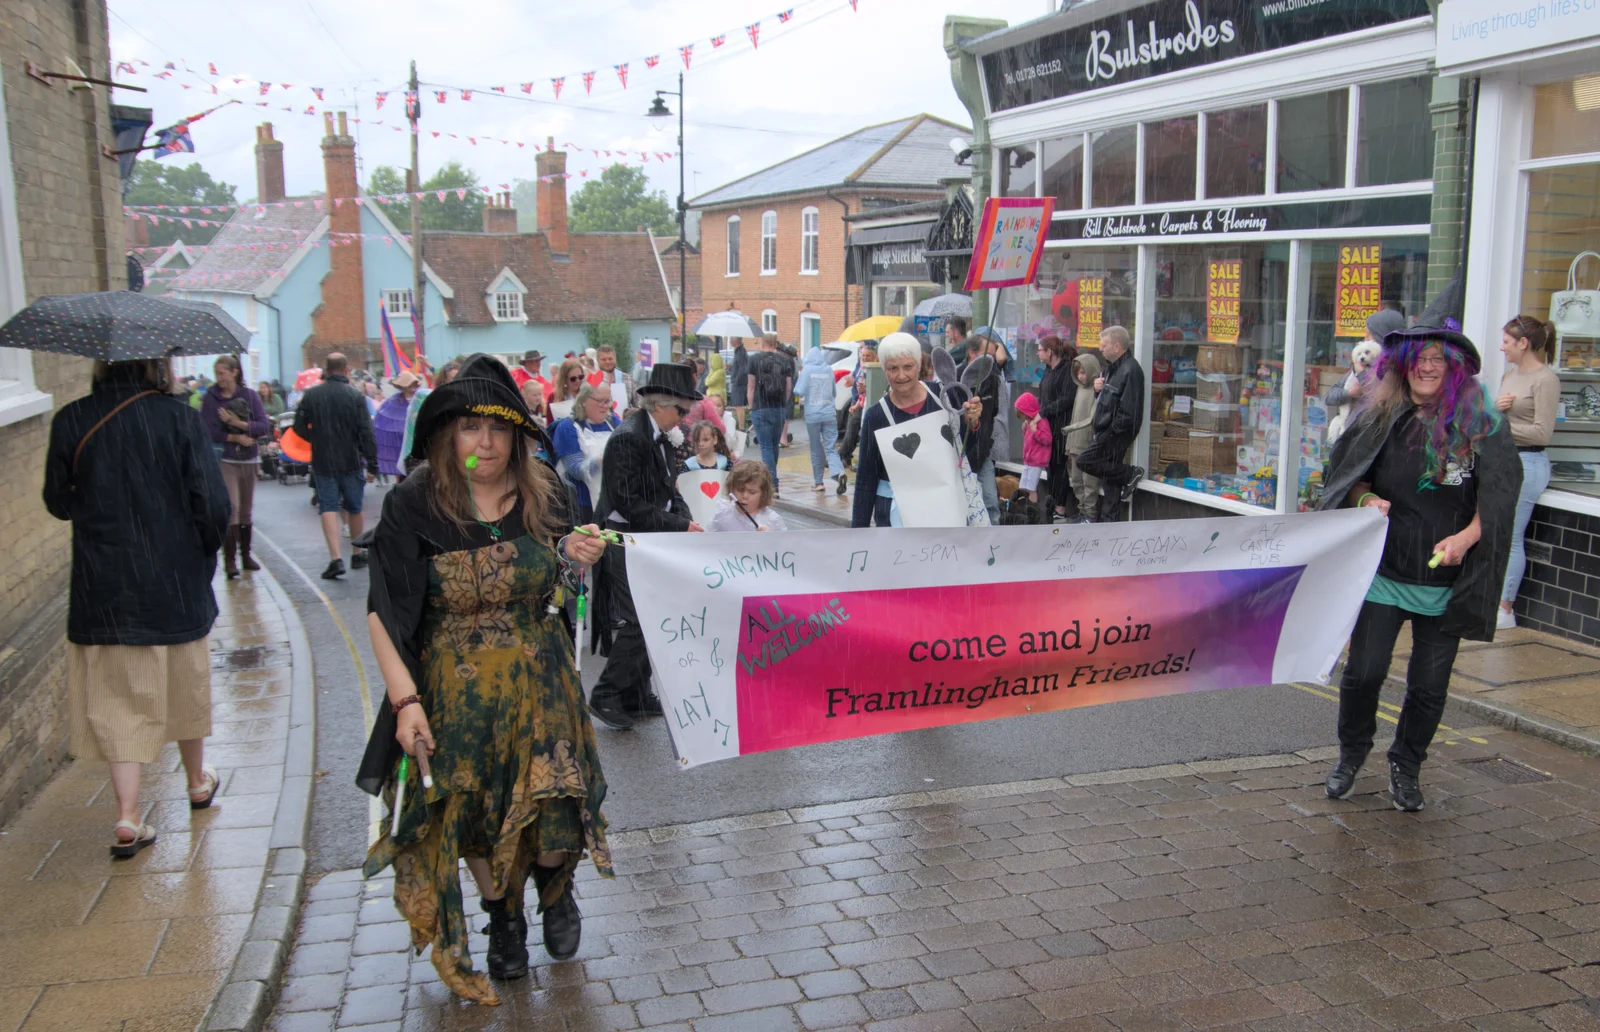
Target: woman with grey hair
900,354
580,443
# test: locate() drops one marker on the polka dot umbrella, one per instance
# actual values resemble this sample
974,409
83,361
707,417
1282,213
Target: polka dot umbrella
120,325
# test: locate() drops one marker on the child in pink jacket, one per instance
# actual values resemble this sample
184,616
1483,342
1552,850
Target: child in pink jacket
1036,444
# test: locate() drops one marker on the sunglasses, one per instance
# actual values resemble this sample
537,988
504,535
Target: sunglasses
683,410
575,379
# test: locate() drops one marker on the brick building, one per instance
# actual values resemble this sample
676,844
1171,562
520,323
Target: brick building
61,232
773,244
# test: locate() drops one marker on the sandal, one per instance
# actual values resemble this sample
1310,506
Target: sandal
210,793
143,835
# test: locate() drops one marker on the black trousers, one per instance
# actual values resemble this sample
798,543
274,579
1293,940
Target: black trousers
1433,653
1104,459
626,676
1061,481
852,437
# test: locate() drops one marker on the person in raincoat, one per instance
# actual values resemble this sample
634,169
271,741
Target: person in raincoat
389,424
134,471
816,390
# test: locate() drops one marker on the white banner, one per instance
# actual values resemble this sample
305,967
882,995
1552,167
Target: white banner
1475,33
789,639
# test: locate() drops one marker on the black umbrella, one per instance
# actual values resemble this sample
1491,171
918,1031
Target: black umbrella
120,326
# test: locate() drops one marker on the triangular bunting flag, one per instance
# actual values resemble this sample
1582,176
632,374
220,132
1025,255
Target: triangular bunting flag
318,91
755,34
687,53
717,41
588,81
622,73
466,94
441,96
382,96
527,87
652,60
498,89
784,16
265,86
557,84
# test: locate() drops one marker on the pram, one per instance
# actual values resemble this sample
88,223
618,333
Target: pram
277,465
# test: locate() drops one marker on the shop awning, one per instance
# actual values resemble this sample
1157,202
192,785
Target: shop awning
904,233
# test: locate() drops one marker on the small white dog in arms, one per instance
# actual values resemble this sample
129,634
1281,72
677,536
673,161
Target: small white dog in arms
1362,356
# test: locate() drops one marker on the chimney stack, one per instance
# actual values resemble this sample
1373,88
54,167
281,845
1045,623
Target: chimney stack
551,196
498,215
269,165
339,323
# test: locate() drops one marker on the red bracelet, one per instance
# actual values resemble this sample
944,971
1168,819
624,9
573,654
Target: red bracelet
403,703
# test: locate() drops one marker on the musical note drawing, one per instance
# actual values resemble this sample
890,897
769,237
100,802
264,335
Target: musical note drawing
852,566
1213,542
991,554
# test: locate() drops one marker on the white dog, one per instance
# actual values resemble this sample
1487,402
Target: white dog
1362,358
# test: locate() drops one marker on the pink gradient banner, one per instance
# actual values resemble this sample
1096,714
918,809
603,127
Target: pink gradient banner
835,665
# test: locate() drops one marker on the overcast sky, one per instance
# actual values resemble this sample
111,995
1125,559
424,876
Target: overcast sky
830,70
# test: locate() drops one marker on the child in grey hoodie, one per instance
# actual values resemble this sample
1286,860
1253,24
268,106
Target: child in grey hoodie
1080,431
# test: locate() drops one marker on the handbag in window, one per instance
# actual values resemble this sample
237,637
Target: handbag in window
1575,312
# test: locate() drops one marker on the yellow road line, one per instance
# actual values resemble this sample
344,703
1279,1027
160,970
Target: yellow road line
1391,707
374,807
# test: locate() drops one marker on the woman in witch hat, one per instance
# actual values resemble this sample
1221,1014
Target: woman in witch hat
471,563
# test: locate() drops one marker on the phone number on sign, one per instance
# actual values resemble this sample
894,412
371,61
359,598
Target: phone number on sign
1038,71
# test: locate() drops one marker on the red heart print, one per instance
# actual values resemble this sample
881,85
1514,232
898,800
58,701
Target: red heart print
710,489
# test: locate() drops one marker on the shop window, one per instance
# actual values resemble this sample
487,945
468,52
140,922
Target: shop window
1312,136
1113,160
769,243
1562,221
889,299
808,241
1566,118
1170,152
1216,377
1063,171
1017,172
1349,280
1236,152
733,245
1395,144
1074,295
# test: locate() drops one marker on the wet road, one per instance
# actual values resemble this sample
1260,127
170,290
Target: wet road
647,790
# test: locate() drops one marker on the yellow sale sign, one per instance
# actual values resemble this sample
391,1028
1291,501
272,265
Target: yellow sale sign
1222,300
1358,289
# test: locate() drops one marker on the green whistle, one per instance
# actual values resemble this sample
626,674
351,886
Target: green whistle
472,462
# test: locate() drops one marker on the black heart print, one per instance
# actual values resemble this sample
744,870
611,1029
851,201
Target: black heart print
907,444
949,434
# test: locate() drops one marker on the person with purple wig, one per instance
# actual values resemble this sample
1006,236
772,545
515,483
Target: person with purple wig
1428,449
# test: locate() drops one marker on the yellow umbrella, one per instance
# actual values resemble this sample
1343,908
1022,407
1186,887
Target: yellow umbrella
875,328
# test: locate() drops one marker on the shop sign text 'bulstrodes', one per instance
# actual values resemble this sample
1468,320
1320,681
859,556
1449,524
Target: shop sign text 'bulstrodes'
1169,36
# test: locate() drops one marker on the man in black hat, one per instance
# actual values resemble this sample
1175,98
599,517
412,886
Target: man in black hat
638,494
531,369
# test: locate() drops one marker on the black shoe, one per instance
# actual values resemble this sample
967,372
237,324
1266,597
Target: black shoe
649,704
1132,484
1405,790
608,710
358,559
507,956
563,923
844,484
1342,779
335,570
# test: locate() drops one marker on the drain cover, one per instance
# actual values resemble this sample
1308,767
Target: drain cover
1508,772
247,659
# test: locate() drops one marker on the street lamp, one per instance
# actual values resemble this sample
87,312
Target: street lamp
659,109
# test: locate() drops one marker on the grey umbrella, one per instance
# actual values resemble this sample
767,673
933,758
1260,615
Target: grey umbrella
729,323
946,305
120,326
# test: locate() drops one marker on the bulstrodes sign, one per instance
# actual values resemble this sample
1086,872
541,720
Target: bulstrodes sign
1226,219
1168,36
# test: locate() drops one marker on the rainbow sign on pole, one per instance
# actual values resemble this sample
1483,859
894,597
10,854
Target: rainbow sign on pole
1009,241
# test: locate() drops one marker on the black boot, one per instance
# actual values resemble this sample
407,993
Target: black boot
229,544
507,957
245,562
644,702
609,710
563,924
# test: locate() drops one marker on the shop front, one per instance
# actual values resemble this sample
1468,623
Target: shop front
1535,210
1239,189
888,261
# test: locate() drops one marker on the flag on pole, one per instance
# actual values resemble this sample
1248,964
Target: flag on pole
395,361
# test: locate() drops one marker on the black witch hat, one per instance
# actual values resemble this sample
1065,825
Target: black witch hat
1441,320
483,387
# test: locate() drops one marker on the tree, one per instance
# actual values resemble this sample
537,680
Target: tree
455,212
177,186
616,331
620,202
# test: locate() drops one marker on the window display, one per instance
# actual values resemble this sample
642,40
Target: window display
1217,370
1349,281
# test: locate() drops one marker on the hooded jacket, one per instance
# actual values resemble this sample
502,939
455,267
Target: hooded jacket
1036,443
815,385
335,418
1080,431
1475,595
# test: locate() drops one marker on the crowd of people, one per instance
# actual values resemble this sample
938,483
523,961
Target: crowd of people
510,488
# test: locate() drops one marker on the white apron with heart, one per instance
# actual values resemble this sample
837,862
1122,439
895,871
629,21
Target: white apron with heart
924,467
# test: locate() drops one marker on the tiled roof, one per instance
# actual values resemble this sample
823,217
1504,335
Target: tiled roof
228,252
604,275
911,151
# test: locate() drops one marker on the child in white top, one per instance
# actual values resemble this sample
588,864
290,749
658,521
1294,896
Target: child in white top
748,502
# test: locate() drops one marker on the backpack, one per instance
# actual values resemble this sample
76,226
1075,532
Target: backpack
772,377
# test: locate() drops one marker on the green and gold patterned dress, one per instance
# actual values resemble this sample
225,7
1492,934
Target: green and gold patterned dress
515,768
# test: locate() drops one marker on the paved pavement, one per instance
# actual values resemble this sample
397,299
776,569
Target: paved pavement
92,944
1228,894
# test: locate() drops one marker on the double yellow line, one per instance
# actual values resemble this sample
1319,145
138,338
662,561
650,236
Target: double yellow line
1382,715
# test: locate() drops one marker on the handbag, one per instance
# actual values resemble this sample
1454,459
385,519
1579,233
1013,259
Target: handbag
1576,313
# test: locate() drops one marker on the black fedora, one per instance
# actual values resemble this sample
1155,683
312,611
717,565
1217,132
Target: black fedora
673,378
483,387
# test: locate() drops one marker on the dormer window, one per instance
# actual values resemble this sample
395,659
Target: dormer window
505,297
